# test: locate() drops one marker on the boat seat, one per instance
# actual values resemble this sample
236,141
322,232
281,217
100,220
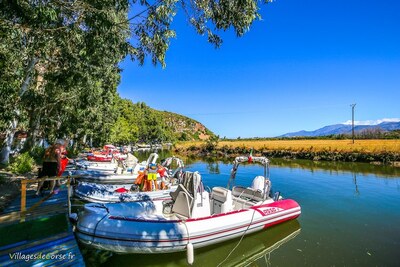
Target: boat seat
185,194
247,193
180,188
240,203
183,204
221,200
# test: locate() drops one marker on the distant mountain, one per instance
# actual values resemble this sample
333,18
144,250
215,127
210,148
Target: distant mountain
344,129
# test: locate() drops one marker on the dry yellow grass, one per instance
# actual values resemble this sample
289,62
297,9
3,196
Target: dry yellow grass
365,146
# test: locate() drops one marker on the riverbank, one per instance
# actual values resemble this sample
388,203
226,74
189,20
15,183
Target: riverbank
378,152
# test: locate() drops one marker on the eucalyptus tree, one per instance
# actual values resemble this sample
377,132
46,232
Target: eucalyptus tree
125,130
151,23
56,53
59,58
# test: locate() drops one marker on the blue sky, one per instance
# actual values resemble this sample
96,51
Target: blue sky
299,68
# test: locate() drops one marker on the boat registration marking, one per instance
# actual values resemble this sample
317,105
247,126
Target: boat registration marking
271,210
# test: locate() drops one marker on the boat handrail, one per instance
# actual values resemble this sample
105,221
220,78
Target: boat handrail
250,159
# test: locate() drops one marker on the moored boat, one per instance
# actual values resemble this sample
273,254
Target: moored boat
134,191
106,193
111,173
192,218
107,154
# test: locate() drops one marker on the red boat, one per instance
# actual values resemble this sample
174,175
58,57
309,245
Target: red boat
106,155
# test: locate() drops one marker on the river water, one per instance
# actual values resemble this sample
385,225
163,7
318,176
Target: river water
350,217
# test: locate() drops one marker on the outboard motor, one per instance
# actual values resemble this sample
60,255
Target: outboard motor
258,183
277,196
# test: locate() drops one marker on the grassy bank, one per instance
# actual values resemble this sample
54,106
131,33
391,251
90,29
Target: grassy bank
375,151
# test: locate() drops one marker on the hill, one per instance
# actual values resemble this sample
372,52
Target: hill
346,129
184,128
137,122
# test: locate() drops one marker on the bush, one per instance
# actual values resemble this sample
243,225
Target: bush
22,164
37,153
211,143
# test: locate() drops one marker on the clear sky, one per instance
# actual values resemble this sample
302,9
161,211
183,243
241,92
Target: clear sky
299,68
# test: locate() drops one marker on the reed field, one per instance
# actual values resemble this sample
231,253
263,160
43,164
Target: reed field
375,146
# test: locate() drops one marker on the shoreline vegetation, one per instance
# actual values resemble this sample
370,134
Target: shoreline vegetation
376,151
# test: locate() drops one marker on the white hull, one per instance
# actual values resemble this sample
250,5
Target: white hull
133,228
193,218
104,177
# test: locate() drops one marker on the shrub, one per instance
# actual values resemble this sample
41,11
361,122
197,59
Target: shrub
22,164
37,153
211,143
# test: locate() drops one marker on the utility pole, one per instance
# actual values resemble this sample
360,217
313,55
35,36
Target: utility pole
352,120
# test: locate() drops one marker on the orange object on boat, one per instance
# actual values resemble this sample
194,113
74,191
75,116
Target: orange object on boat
140,178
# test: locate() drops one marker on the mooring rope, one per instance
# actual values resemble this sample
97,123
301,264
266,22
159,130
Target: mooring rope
237,245
95,228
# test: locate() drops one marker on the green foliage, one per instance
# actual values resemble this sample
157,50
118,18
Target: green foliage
138,123
211,143
393,134
59,64
37,153
184,137
22,164
152,26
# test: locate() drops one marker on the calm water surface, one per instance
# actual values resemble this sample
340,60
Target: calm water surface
350,217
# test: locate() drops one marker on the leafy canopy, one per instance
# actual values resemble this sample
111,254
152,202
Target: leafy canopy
151,24
59,62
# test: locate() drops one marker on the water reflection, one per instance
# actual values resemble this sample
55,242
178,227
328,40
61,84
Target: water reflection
338,167
350,217
256,249
213,167
331,166
355,183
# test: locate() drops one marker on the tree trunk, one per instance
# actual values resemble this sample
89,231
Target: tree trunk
84,139
5,151
33,132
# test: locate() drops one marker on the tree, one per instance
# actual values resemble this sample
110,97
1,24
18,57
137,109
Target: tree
151,27
58,54
211,143
59,60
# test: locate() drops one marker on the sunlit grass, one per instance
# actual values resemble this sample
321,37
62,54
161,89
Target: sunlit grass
366,146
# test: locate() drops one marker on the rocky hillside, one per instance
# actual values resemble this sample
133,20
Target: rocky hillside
184,128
